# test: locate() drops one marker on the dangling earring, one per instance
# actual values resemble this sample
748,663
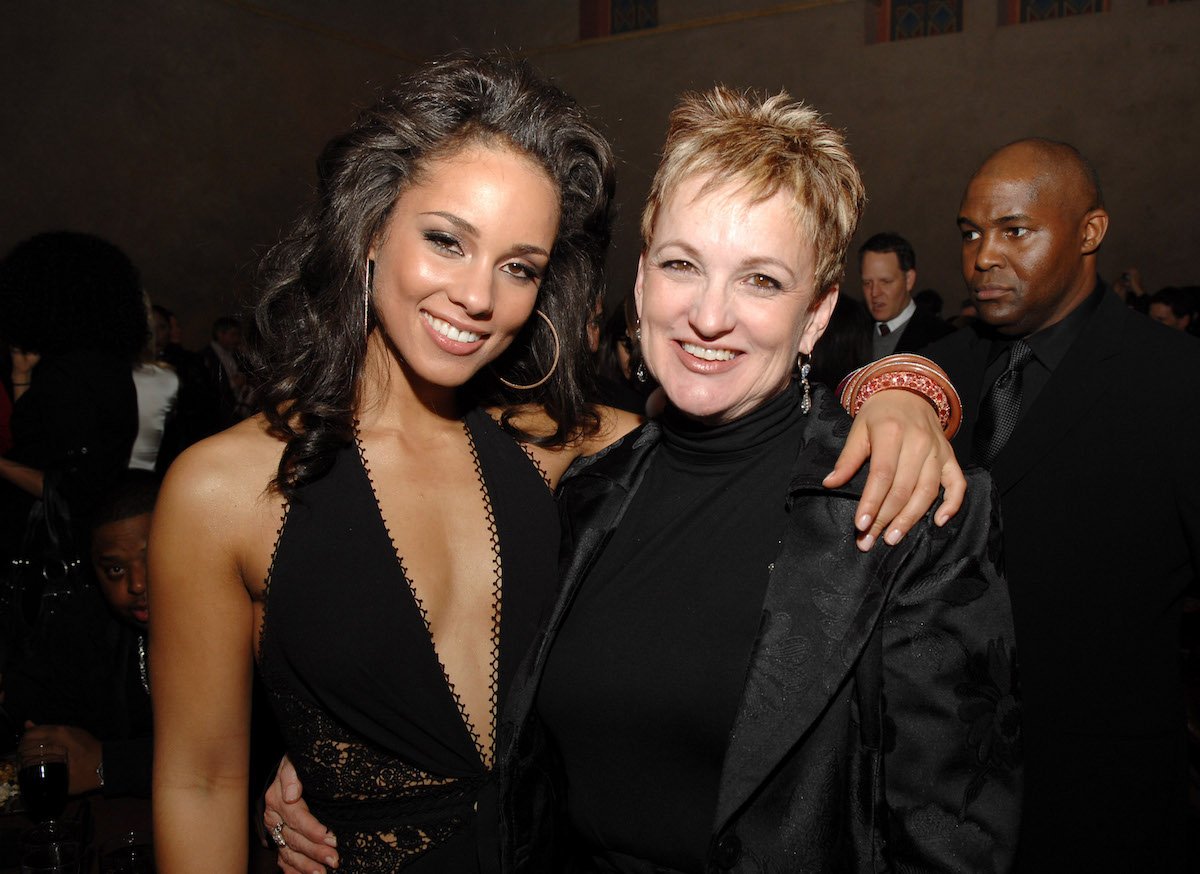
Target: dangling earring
553,364
368,281
640,373
805,369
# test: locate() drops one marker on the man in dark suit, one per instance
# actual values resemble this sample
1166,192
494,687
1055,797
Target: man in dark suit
1087,414
888,266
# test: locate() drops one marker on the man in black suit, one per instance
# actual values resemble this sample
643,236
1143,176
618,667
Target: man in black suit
888,266
1094,456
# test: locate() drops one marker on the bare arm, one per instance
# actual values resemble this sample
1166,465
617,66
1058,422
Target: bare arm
27,479
200,661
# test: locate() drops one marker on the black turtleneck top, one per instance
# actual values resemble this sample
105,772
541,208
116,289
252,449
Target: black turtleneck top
644,679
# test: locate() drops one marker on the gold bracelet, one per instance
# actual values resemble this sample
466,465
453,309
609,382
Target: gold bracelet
912,373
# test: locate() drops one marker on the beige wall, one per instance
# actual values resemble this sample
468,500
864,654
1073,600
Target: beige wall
185,130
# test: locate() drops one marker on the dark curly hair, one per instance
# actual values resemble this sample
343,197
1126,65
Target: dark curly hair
62,291
306,340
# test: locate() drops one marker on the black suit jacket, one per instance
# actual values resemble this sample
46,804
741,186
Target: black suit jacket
877,730
922,329
1100,497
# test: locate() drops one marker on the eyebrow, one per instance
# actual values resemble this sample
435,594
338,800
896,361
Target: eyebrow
1002,220
469,229
753,261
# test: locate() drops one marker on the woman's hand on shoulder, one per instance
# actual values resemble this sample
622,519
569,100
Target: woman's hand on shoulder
910,459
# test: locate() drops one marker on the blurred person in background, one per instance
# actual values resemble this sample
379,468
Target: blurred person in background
85,685
616,382
72,311
1172,307
224,370
157,386
888,266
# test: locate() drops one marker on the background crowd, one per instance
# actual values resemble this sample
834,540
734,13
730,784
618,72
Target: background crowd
98,395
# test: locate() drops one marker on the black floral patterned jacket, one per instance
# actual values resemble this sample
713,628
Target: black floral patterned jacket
879,728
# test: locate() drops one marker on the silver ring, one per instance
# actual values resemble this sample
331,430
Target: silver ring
277,835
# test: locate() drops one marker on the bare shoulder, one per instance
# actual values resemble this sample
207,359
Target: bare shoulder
234,464
217,497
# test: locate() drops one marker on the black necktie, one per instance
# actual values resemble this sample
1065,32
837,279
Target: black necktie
884,330
999,411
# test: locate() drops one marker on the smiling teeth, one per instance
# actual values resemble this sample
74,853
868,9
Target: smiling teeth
706,353
450,332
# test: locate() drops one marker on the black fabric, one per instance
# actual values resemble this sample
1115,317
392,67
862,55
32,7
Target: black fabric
1100,490
83,670
79,418
642,719
49,571
805,786
921,330
369,721
1001,405
1050,346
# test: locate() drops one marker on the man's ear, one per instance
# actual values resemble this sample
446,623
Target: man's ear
818,320
1095,226
910,280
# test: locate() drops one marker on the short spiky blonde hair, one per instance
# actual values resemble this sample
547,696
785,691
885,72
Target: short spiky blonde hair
766,144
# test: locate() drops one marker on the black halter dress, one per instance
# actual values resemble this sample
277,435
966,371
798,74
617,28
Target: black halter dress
372,724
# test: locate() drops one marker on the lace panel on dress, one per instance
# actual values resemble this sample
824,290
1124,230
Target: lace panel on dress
385,812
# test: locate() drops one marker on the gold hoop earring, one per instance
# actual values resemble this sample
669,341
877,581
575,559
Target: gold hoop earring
553,364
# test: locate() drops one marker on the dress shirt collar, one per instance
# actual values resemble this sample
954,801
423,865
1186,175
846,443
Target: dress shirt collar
898,323
1050,344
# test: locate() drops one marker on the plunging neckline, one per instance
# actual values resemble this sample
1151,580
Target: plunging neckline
486,754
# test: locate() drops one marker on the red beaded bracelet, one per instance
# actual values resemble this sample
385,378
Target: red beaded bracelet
908,372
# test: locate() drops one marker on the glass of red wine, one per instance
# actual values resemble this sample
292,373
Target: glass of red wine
42,776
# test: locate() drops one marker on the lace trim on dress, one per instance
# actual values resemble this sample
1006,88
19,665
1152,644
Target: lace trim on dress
537,464
384,811
486,755
262,624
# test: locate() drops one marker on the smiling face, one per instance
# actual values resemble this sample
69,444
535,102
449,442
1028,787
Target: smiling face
1029,240
119,562
459,265
724,292
886,288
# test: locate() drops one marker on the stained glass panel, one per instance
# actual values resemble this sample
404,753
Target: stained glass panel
892,20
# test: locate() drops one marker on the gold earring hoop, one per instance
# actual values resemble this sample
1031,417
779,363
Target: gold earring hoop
553,364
